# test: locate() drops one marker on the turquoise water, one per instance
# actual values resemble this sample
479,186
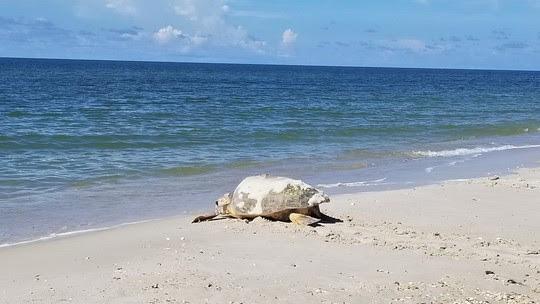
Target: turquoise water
89,143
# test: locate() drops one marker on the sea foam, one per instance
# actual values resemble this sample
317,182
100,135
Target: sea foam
353,184
71,233
469,151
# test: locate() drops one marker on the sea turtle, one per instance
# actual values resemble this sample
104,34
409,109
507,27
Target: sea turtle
272,197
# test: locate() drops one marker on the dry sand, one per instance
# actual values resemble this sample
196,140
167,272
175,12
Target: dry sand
475,241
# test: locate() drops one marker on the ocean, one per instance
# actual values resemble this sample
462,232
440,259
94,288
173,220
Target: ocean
91,144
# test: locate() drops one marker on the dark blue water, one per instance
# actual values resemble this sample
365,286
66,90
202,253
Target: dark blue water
105,142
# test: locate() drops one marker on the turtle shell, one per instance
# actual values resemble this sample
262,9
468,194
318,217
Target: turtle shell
264,194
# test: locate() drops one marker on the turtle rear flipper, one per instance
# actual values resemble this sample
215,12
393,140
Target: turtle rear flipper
202,218
302,219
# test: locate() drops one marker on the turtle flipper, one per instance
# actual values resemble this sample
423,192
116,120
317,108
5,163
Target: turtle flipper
202,218
316,212
302,219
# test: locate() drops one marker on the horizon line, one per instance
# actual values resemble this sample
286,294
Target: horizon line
272,64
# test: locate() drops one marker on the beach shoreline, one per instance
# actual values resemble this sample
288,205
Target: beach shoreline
74,210
468,241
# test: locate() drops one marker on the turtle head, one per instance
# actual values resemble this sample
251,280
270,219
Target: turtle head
222,204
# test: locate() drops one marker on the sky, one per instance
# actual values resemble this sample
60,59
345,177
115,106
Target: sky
487,34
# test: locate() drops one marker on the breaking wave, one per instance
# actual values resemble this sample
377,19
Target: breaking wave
470,151
353,184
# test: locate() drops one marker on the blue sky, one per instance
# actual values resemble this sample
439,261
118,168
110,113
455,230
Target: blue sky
496,34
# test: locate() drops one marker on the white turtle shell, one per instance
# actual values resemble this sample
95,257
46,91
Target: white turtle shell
264,194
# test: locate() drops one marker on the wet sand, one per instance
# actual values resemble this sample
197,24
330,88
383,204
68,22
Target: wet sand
470,241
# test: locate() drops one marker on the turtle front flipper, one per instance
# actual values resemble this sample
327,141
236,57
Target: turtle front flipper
302,219
202,218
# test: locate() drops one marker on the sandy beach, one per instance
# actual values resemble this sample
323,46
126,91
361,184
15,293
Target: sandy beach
468,241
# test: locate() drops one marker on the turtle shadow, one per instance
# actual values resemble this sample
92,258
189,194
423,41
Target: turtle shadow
323,219
327,219
218,219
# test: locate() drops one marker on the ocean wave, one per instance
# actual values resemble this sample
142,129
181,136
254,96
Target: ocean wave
188,170
452,163
353,184
470,151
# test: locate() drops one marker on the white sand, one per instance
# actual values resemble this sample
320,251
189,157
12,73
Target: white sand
431,244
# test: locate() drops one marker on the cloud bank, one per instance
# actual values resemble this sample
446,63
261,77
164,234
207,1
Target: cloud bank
288,38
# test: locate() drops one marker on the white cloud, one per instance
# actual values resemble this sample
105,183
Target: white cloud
201,10
197,40
207,19
122,6
203,24
168,34
412,45
187,9
124,34
288,38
